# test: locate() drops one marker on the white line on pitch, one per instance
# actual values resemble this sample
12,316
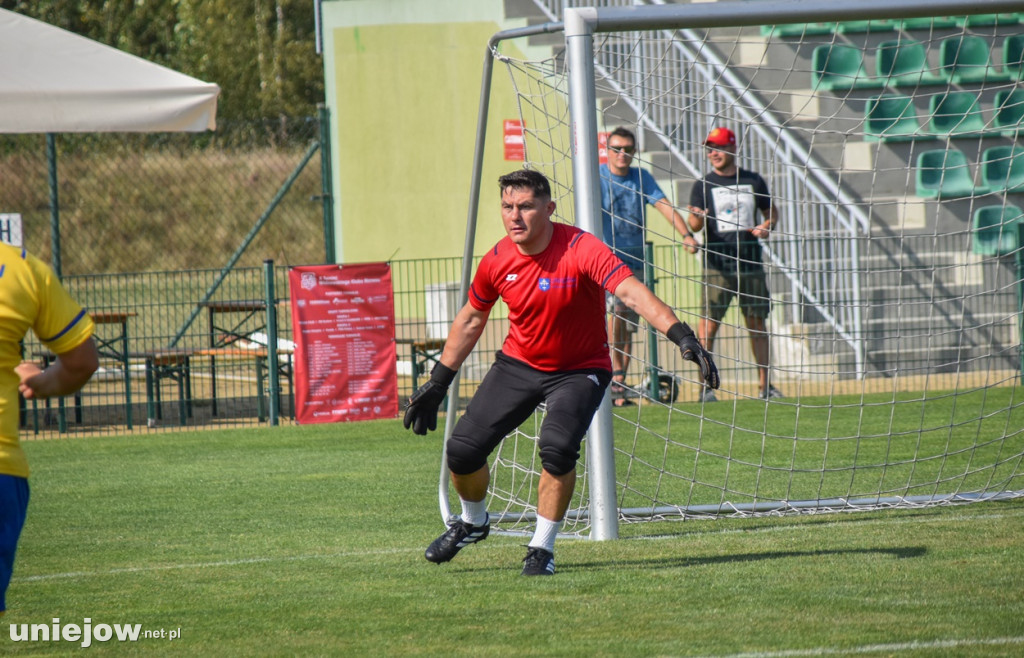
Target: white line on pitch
206,565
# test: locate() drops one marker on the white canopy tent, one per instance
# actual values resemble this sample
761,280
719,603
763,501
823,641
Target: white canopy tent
55,81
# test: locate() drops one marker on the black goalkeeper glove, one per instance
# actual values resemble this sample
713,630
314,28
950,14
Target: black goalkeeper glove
421,410
681,334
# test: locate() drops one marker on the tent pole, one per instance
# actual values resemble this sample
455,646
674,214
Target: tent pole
51,166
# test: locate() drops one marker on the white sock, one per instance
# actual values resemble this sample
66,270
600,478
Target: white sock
544,535
474,513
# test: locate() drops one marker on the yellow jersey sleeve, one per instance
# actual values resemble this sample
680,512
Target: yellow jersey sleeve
31,298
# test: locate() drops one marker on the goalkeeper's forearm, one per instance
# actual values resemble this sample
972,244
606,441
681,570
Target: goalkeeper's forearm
639,297
466,329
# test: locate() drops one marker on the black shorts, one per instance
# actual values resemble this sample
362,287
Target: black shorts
509,394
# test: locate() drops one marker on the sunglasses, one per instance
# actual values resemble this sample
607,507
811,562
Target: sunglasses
628,150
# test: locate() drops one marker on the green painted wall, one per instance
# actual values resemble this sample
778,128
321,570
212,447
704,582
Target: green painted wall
403,85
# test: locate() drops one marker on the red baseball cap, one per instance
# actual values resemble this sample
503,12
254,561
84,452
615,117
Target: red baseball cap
721,137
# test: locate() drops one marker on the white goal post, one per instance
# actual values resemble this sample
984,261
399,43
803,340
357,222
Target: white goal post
822,447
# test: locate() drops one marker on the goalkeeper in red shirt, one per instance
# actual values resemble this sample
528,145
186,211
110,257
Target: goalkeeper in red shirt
553,277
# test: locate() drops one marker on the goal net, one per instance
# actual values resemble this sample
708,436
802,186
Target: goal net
896,270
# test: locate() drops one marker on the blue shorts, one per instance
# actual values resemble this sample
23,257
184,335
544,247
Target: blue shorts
13,507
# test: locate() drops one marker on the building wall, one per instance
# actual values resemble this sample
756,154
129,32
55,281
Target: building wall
403,85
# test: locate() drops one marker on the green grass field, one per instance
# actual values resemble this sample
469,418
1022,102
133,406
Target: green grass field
309,541
735,454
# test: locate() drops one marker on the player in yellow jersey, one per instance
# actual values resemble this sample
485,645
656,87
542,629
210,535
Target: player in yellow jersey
31,297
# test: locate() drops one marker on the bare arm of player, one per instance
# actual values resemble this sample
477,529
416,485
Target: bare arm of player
660,316
639,297
466,329
680,224
66,375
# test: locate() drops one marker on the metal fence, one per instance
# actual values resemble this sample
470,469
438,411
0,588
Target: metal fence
173,355
102,203
187,349
166,240
151,232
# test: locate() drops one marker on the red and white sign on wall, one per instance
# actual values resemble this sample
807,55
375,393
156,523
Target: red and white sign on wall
515,143
343,321
602,147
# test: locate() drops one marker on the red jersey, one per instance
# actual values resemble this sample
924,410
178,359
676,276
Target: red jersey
555,299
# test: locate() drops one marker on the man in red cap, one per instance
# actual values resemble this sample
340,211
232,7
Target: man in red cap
734,208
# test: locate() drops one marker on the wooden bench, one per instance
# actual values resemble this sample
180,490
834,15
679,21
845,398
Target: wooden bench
424,352
176,364
167,363
260,355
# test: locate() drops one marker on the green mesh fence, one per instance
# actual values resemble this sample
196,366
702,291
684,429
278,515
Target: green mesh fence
151,233
144,203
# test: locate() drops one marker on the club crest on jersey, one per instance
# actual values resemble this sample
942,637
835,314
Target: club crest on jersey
545,284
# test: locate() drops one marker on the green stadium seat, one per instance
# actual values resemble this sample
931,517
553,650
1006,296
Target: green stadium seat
928,23
985,20
1013,56
873,25
891,117
798,29
1009,114
956,114
837,66
904,62
995,230
966,58
845,27
1002,168
944,174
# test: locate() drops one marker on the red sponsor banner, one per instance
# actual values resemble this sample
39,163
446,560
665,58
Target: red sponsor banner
602,147
343,321
515,143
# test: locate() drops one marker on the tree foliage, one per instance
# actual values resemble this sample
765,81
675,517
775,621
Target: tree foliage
261,52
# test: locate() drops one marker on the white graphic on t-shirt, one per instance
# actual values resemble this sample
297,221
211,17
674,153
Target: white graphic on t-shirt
734,207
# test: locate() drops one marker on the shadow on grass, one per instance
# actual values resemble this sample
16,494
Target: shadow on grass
777,523
691,561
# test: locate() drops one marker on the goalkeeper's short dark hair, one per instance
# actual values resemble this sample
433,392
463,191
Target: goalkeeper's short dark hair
526,179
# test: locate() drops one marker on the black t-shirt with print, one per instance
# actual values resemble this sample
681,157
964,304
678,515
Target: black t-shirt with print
732,203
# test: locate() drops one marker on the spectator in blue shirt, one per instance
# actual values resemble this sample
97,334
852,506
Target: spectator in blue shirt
626,191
